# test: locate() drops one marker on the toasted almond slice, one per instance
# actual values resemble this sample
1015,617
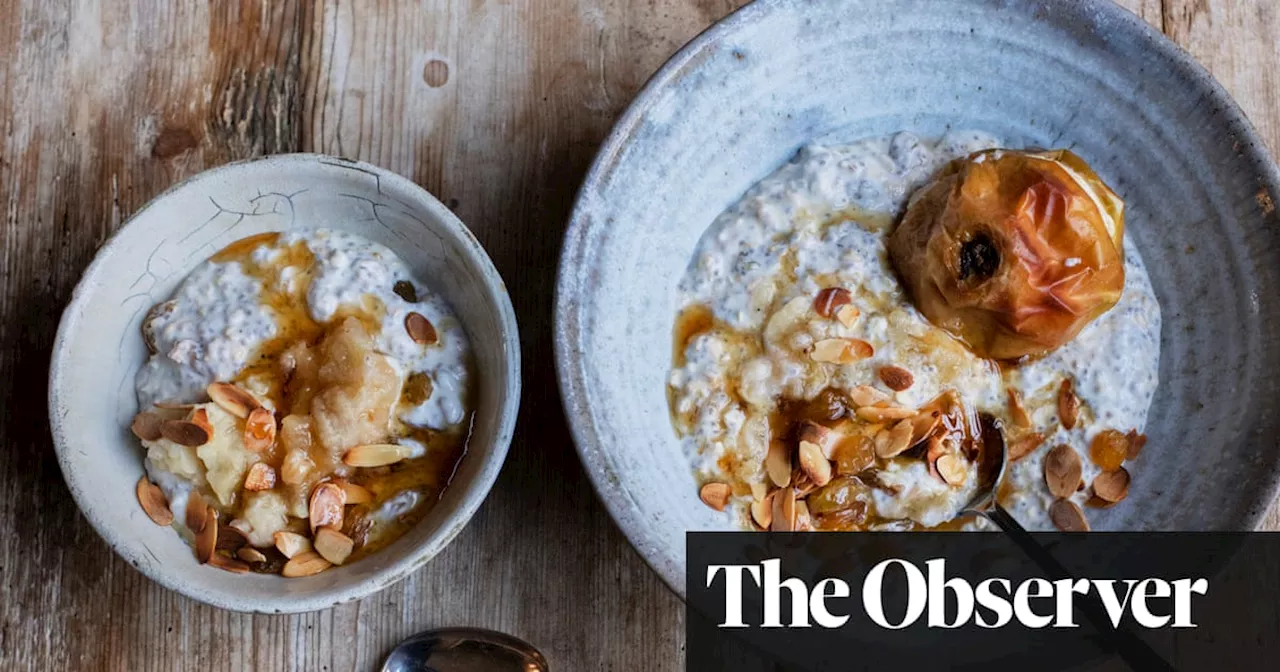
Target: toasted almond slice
952,469
1096,502
290,544
229,564
333,545
242,526
777,463
174,405
1017,412
1112,486
420,329
1024,445
154,503
197,513
896,378
824,437
251,555
376,455
831,299
232,399
307,563
762,512
714,495
1136,443
804,522
355,494
259,430
865,395
1062,469
261,477
897,439
937,449
1068,404
784,510
848,315
207,539
924,424
885,413
1067,516
146,426
759,491
185,432
814,463
841,350
230,539
327,500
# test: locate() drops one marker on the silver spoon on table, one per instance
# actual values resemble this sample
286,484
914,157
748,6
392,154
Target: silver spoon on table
995,455
464,650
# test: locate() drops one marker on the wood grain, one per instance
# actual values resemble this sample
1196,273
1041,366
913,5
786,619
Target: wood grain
497,108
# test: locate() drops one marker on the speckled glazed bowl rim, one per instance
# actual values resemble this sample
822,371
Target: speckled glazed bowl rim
684,65
387,574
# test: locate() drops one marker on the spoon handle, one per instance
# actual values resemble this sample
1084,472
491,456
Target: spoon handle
1135,652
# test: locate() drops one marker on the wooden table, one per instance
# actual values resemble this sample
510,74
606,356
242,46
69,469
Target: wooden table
497,108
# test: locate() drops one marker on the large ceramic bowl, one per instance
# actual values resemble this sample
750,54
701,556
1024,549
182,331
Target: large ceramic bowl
99,349
739,101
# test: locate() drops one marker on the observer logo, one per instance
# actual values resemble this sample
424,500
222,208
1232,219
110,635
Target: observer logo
949,602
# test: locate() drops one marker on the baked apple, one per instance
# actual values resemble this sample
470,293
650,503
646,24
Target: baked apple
1012,252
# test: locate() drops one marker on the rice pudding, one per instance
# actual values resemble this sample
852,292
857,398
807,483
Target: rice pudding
805,383
305,403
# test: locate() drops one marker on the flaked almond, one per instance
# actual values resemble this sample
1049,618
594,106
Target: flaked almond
228,564
896,378
1068,404
242,526
885,413
333,545
831,299
1096,502
290,544
420,329
197,516
355,494
824,437
307,563
260,477
232,399
186,432
1017,412
804,522
937,449
762,512
841,350
259,430
154,503
1067,516
952,469
923,425
174,405
207,539
251,555
777,463
1062,469
327,500
897,439
1136,443
848,315
230,539
146,426
865,395
1112,486
784,510
1024,445
814,463
376,455
759,490
714,495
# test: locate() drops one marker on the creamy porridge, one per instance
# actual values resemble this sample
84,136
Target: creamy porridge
804,372
305,403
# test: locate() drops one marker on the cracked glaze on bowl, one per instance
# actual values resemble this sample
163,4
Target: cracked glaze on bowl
99,349
739,101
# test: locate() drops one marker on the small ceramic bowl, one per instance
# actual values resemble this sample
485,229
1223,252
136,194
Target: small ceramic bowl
738,102
99,349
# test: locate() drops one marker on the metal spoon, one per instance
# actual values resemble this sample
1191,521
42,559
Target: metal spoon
995,454
464,650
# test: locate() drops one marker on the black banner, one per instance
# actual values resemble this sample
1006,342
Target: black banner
978,601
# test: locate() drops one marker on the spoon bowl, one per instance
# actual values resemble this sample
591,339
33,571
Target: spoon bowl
464,650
